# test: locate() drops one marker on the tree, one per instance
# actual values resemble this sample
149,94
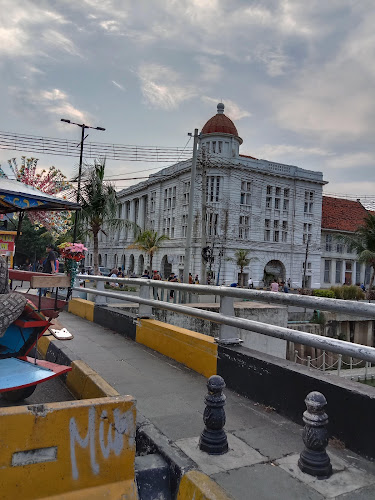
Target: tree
31,245
242,260
363,241
149,241
99,206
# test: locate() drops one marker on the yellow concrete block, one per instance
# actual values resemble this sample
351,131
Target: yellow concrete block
195,350
124,490
58,448
43,344
195,485
84,382
83,308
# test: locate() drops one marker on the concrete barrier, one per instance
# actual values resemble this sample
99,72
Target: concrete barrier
195,485
194,350
74,449
83,308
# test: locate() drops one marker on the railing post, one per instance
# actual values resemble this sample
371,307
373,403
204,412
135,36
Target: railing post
351,362
99,299
366,370
227,334
308,361
295,356
324,361
144,311
339,362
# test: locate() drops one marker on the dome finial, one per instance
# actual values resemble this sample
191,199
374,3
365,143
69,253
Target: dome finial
220,108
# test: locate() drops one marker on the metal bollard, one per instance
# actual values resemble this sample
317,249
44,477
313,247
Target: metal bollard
314,459
100,300
144,311
213,439
228,335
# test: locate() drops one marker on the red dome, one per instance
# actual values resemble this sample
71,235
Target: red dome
220,124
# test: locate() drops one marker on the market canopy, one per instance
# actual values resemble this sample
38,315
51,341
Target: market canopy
16,196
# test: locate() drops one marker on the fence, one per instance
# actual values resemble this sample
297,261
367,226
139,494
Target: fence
226,318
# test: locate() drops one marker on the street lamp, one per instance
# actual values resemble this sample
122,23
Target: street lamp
83,127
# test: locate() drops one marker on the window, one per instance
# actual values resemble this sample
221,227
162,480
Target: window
276,235
358,272
268,202
172,227
278,191
184,225
212,222
152,201
243,229
286,193
174,197
245,193
307,228
276,224
267,235
327,271
286,205
309,205
220,146
277,203
338,271
214,146
328,242
169,198
186,193
267,223
269,189
339,247
285,225
212,188
284,236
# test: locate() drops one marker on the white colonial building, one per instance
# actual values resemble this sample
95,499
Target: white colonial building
271,209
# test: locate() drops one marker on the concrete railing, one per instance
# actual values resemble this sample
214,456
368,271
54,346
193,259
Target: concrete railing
226,317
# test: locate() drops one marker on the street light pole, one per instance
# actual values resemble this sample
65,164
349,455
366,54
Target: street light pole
83,127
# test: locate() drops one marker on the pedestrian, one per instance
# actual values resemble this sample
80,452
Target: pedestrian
49,265
288,282
172,278
274,286
191,281
250,283
363,287
285,287
196,279
146,275
120,274
156,275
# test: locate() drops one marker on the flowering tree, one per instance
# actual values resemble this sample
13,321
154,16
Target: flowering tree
51,181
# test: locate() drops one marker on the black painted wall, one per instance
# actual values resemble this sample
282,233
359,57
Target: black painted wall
284,385
116,320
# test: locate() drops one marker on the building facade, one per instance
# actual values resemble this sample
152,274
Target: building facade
271,209
341,217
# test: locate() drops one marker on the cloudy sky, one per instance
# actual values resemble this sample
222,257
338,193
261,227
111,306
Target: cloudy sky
297,77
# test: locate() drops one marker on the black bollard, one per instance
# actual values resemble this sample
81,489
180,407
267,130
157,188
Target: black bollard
314,459
213,439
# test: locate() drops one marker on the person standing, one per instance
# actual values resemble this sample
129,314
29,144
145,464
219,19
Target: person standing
49,265
191,281
274,286
250,283
174,279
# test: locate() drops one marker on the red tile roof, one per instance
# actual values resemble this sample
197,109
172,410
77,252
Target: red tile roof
341,214
247,156
220,124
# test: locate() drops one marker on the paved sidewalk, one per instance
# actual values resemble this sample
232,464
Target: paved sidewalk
264,446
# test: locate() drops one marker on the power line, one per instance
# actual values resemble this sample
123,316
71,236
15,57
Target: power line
64,147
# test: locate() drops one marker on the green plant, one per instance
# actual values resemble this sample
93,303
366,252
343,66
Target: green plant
347,292
321,292
242,259
149,241
125,288
318,318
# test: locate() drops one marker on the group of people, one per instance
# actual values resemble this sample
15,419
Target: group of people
283,286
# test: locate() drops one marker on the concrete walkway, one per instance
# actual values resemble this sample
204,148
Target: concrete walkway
264,446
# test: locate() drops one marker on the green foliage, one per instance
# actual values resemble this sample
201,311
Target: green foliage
347,292
149,242
321,292
124,288
32,242
318,317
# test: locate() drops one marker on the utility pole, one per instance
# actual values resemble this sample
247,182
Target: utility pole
305,266
83,128
203,278
189,231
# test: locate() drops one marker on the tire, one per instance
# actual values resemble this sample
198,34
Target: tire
18,394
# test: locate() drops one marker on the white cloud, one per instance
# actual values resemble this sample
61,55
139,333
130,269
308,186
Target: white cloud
232,109
352,160
52,105
275,151
118,85
162,87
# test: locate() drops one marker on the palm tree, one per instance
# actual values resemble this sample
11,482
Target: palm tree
99,206
363,241
242,260
149,241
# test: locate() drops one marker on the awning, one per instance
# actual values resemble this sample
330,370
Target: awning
16,196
